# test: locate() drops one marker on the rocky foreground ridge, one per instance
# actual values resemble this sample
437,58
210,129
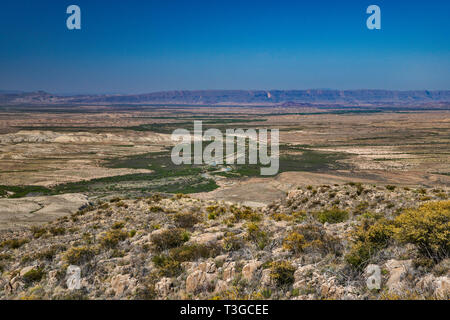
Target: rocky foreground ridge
324,242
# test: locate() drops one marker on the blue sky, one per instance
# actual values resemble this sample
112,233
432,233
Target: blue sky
138,46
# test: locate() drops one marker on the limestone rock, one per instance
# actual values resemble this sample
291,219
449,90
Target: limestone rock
120,283
229,271
249,270
397,269
196,281
164,287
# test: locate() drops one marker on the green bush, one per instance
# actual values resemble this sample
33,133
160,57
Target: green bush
34,275
167,266
57,231
311,238
112,238
169,238
245,213
194,252
333,215
14,243
294,242
186,219
49,253
38,231
282,272
372,235
232,243
427,227
257,235
215,211
79,255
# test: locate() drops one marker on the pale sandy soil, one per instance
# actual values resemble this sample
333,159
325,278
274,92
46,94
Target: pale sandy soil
257,192
15,213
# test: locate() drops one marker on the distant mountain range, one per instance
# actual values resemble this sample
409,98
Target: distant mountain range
212,97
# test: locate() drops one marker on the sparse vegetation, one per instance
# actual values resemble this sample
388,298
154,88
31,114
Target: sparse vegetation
79,255
169,238
282,272
333,215
427,227
186,219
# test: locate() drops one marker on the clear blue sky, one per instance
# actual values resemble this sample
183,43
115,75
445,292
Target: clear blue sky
138,46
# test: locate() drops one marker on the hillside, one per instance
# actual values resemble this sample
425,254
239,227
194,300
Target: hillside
315,244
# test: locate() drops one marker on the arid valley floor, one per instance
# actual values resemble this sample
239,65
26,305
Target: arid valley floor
94,186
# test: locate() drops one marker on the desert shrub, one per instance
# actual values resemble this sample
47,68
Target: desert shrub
282,272
14,243
156,226
112,238
257,235
390,187
79,255
169,238
132,233
167,266
156,198
77,295
361,208
427,227
359,187
333,215
215,211
372,235
311,238
245,213
232,243
146,291
118,225
186,219
49,253
421,191
294,242
194,252
34,275
5,256
281,216
442,195
442,268
156,209
38,231
82,211
57,231
121,204
296,216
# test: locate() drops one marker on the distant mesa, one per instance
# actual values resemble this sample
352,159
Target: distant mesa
223,97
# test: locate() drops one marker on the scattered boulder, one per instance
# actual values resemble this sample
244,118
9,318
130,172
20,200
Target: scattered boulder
249,270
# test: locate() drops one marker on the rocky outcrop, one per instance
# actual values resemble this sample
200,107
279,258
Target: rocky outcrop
173,248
